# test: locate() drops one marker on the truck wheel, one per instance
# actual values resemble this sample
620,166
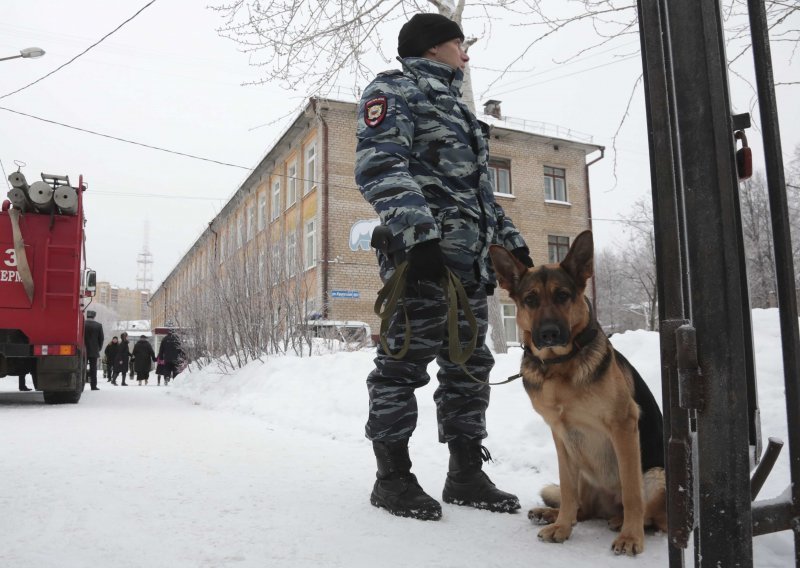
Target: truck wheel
61,397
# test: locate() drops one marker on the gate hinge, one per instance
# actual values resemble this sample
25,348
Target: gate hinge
690,379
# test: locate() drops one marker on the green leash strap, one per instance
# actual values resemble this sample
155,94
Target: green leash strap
455,293
394,291
390,294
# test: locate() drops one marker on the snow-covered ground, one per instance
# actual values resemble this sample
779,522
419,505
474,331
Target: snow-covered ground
269,467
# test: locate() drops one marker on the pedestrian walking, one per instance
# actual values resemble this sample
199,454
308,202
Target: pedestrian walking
110,353
143,358
172,355
422,163
121,360
93,342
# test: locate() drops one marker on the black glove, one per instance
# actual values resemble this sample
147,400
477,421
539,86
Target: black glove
426,262
523,255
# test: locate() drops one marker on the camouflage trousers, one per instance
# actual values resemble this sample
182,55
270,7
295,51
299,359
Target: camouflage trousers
460,401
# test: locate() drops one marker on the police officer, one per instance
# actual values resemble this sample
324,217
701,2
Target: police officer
93,340
422,162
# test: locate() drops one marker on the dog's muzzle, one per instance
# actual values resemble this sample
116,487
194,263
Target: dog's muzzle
550,334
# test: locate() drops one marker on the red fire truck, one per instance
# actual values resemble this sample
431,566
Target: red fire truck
44,285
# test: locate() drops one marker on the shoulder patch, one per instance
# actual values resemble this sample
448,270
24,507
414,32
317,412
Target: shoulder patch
375,111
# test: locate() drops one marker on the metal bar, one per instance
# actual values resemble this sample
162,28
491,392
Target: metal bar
702,108
669,244
773,516
765,467
776,184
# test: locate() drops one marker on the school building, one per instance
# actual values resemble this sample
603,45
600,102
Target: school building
301,202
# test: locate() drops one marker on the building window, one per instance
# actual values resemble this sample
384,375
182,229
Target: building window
510,323
311,169
275,264
291,184
500,172
276,200
555,184
311,245
262,211
557,248
251,222
291,253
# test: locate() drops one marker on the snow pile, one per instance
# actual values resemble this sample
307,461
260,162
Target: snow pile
325,398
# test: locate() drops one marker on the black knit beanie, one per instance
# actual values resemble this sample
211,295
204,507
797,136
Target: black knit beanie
423,31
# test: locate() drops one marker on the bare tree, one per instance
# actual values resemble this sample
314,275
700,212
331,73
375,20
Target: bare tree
626,280
615,292
757,232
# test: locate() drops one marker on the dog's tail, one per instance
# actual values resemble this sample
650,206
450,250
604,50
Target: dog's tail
551,495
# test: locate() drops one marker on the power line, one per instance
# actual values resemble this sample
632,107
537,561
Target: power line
81,53
118,139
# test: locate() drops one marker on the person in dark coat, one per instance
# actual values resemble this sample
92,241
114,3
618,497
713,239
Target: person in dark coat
110,352
93,341
143,357
161,371
121,360
22,385
171,353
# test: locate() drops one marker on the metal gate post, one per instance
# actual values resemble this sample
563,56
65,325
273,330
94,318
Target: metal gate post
784,512
673,311
711,362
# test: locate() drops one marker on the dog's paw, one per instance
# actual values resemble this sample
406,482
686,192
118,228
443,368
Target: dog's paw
630,544
543,515
555,533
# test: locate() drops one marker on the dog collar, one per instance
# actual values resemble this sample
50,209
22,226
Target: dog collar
583,339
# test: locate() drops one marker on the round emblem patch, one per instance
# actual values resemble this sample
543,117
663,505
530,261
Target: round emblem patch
375,111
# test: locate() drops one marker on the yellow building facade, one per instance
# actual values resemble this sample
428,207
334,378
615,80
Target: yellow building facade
299,215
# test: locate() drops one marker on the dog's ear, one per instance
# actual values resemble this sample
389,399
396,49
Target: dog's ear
579,262
509,270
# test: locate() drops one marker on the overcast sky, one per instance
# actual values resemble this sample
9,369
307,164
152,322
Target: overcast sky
166,79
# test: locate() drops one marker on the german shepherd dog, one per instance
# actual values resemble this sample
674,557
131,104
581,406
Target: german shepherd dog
606,425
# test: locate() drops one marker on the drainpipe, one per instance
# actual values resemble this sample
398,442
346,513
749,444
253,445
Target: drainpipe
325,264
589,209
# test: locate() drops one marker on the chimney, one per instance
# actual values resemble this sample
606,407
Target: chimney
492,108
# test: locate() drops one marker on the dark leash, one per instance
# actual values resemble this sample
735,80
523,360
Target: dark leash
394,291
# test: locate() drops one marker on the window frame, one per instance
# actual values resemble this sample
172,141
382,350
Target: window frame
262,211
251,222
310,181
291,254
552,176
496,165
510,320
275,211
310,256
291,184
559,244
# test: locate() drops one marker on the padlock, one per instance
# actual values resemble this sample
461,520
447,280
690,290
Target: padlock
744,157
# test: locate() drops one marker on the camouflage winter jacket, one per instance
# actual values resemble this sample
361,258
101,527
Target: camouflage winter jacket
422,162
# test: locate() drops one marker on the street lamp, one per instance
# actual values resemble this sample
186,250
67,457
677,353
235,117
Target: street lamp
28,52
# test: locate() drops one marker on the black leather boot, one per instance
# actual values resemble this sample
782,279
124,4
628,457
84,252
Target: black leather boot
467,484
396,488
